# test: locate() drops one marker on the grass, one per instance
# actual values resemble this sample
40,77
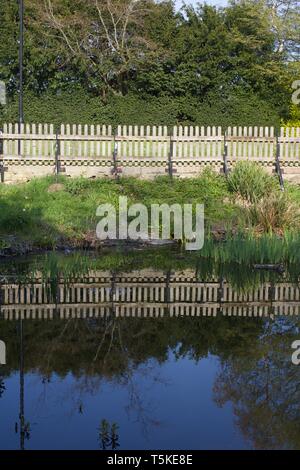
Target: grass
275,213
250,181
31,214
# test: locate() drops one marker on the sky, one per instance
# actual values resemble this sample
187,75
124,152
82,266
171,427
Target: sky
193,2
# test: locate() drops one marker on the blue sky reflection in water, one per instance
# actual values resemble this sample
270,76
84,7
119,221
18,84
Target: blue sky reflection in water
168,406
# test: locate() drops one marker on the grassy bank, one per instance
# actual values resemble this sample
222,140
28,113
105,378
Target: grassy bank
43,214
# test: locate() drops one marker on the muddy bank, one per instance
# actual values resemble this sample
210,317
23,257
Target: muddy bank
17,247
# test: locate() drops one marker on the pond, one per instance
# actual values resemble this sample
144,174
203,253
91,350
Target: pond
148,350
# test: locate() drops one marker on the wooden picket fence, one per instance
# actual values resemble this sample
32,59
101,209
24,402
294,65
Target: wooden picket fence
145,293
143,150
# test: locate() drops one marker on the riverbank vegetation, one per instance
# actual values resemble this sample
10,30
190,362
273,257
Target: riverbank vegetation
244,263
59,212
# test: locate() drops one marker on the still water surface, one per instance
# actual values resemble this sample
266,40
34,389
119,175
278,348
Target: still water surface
148,359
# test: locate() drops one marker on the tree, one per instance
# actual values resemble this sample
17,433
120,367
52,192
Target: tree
8,43
107,39
230,66
285,22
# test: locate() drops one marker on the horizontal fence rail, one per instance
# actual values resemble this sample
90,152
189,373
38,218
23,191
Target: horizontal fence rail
145,294
141,150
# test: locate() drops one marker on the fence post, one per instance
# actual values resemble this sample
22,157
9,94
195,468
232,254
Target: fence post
112,294
225,155
170,159
1,157
221,290
2,167
57,152
167,298
271,295
115,170
277,162
19,139
220,295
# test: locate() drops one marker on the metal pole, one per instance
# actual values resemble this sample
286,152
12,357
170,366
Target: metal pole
1,162
22,412
21,54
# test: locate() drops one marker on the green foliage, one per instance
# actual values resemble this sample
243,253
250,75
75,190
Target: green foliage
77,106
294,119
250,181
202,66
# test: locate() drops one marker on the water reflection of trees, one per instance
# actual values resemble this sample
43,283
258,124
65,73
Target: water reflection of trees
256,372
2,386
121,350
108,436
111,346
264,387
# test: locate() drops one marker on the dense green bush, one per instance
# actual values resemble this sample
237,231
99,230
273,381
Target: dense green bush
77,106
250,181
